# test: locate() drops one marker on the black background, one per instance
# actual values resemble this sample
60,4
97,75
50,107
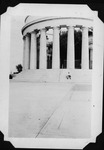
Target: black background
94,5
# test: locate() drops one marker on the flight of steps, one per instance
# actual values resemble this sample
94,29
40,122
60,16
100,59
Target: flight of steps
55,75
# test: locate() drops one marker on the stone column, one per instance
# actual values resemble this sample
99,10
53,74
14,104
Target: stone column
85,49
91,58
24,46
33,51
26,52
56,49
70,48
43,58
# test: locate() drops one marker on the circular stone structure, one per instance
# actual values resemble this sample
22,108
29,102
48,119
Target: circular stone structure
49,59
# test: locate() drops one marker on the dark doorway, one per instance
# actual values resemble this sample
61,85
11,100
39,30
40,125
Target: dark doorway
63,49
78,43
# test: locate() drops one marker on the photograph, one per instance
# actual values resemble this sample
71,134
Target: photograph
56,67
50,93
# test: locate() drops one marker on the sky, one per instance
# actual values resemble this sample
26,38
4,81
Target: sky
16,43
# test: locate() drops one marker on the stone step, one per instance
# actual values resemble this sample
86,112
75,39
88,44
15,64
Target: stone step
55,75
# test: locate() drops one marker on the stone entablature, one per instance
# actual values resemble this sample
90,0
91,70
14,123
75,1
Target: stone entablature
56,21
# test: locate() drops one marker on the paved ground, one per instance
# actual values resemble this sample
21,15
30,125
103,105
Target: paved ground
49,110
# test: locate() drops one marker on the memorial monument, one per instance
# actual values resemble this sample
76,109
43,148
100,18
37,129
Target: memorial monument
35,56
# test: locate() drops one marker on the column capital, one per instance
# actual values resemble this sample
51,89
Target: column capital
48,27
63,26
43,29
84,27
36,31
56,27
28,34
78,26
33,32
70,26
24,37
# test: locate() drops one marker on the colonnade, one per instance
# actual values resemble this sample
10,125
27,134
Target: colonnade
30,49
